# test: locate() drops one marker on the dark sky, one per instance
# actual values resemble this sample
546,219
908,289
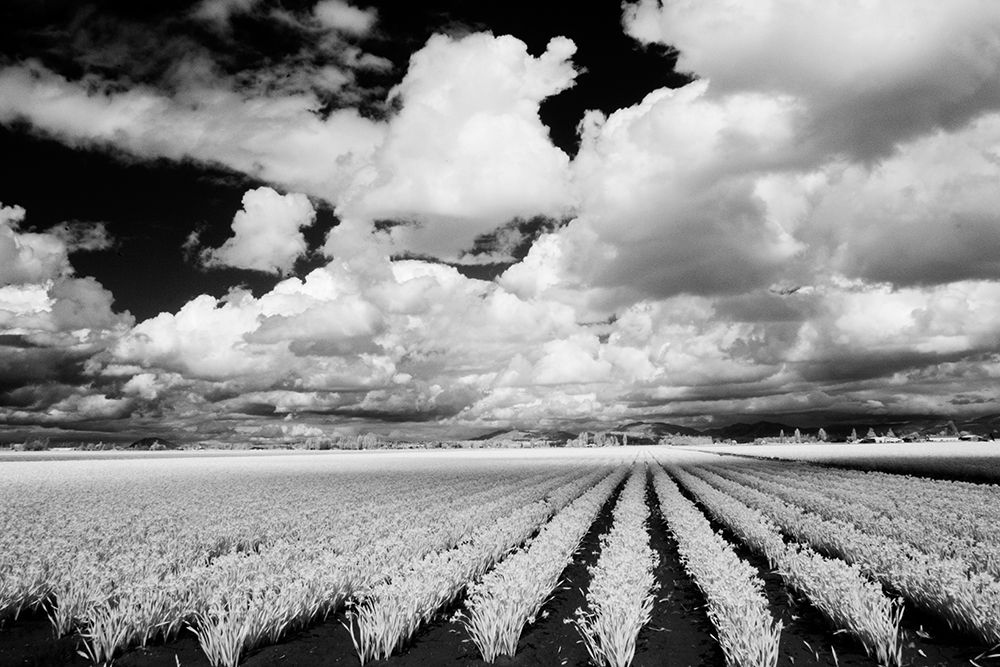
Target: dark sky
230,220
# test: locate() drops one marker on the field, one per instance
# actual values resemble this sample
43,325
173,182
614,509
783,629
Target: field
969,461
618,556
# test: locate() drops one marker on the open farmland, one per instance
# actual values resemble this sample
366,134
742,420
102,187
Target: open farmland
615,556
950,460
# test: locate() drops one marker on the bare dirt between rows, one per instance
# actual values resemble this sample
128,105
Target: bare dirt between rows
29,642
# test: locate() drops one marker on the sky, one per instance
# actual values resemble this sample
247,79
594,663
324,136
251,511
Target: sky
232,220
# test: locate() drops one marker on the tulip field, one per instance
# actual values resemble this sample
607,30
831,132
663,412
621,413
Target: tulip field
611,557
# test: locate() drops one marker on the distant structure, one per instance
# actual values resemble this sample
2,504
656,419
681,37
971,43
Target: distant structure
873,437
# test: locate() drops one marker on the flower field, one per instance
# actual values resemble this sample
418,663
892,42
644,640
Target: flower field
539,557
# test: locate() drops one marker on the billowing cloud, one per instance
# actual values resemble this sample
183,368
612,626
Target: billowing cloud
809,226
465,153
776,168
267,233
669,188
926,215
467,150
53,326
411,340
870,74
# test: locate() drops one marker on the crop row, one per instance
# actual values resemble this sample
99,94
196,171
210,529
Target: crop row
620,594
130,564
510,596
853,602
242,599
82,538
746,631
938,525
942,586
290,586
388,615
976,507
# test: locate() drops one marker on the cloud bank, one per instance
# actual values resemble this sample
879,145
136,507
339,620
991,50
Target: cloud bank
809,227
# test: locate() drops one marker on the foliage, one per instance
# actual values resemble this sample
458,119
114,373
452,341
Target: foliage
620,595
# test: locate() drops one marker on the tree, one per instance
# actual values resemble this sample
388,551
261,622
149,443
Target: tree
871,433
781,435
854,435
821,434
890,434
798,436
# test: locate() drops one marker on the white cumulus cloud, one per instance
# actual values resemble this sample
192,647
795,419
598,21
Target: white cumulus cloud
467,150
267,233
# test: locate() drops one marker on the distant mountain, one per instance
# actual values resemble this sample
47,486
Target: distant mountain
520,434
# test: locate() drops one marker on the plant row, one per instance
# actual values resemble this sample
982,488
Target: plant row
77,543
942,586
245,598
289,587
510,596
748,634
852,602
620,592
139,554
943,524
382,619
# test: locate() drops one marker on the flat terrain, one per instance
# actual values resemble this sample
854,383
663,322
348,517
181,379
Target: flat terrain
968,461
267,558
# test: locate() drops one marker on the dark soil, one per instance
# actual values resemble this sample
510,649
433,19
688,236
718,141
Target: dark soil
29,641
679,631
183,650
